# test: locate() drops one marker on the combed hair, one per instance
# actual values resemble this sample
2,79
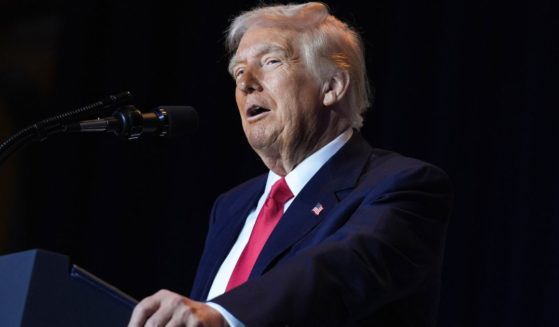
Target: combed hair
328,44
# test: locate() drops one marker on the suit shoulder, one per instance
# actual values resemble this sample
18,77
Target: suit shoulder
392,169
391,163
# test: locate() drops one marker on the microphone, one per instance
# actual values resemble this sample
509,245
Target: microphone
130,123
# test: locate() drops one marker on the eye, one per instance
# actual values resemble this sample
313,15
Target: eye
271,61
238,72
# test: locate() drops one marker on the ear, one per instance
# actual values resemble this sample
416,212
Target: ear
335,88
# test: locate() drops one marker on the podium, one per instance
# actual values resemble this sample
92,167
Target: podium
42,288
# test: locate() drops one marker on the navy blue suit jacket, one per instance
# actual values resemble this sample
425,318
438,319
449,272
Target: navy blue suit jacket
372,257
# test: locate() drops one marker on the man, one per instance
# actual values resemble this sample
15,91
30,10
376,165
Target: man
337,233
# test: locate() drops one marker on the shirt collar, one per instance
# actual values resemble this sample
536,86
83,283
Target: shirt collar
303,172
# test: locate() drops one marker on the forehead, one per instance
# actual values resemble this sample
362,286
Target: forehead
260,40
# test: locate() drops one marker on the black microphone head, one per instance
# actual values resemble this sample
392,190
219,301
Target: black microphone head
181,120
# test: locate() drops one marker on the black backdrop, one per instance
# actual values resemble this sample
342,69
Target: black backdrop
466,85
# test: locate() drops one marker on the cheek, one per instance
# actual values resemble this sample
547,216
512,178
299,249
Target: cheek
280,84
240,99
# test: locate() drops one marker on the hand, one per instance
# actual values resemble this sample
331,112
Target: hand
166,308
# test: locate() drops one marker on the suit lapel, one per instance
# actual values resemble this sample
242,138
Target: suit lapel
326,188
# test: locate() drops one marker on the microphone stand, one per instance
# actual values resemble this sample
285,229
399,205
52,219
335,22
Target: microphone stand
42,130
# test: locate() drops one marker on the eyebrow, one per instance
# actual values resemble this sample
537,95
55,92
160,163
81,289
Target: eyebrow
267,48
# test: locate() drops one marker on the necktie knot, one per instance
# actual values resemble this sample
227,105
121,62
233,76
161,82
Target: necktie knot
280,191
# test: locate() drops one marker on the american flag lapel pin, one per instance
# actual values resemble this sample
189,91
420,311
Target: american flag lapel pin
317,209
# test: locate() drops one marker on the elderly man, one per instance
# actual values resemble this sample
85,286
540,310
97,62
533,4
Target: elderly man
337,233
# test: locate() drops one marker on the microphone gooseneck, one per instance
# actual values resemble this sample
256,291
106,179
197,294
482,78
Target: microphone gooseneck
57,124
127,122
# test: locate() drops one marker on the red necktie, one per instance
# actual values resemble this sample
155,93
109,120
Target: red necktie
266,221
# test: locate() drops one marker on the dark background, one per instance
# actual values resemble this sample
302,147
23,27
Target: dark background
466,85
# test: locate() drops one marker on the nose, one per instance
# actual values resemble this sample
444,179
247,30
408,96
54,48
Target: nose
249,83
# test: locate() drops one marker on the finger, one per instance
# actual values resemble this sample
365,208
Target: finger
161,317
195,314
144,310
181,317
169,304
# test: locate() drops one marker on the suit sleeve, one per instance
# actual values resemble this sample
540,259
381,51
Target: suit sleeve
389,250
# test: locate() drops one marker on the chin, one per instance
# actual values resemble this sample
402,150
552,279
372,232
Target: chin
259,138
258,143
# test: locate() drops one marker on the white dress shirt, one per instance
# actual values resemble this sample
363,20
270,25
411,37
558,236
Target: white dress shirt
296,180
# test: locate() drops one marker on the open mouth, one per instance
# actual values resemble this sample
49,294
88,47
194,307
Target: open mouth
256,110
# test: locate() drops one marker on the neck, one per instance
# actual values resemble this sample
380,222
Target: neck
286,158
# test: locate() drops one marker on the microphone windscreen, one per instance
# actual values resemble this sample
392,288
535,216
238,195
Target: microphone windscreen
182,120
